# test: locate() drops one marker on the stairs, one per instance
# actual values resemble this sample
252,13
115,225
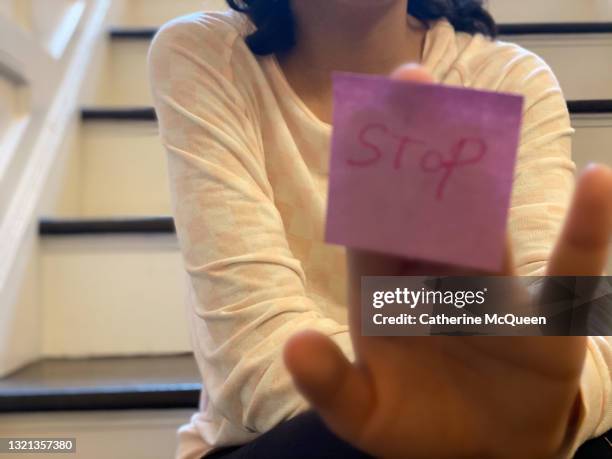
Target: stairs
112,383
120,408
116,369
112,227
142,314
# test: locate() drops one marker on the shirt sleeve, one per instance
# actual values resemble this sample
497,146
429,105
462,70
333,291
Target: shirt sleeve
248,288
544,183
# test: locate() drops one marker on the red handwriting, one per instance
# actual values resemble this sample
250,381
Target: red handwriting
465,151
402,146
460,155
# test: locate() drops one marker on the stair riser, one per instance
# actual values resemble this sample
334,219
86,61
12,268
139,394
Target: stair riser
152,13
128,434
122,75
123,81
143,13
113,295
582,63
593,140
123,170
550,10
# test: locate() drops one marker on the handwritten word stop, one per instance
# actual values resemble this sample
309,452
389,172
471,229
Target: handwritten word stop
422,171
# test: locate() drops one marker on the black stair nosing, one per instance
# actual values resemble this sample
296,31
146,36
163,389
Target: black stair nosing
166,396
518,28
590,107
555,28
118,114
132,33
586,106
84,226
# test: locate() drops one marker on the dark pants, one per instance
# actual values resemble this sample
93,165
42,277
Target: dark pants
306,437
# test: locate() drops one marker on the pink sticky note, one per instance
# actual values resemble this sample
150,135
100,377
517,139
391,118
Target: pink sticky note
422,171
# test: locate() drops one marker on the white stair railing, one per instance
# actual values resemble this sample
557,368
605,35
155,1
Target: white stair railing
45,48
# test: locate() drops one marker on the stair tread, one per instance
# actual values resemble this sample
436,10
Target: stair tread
103,383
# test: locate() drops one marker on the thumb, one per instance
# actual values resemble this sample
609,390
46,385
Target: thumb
583,245
339,391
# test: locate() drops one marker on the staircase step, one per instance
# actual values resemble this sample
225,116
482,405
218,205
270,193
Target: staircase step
111,383
114,140
119,407
112,287
561,45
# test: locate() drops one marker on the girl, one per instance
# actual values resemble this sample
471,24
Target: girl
245,108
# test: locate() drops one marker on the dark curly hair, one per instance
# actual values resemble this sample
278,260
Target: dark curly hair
276,28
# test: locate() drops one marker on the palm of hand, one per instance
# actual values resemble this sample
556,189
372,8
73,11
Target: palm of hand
438,397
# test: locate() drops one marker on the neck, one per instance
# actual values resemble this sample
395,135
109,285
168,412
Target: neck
360,36
363,36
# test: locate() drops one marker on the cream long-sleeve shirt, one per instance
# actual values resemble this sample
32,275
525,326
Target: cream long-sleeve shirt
248,174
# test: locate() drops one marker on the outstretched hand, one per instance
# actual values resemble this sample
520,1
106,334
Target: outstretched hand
457,397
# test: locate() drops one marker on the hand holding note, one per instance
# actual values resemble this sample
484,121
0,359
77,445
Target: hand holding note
448,397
